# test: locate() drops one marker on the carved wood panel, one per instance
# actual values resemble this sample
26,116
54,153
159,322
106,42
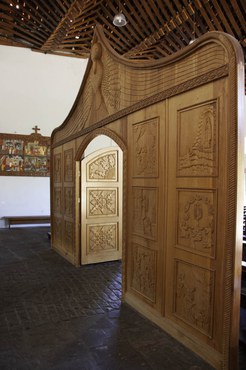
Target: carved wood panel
145,148
69,201
102,202
144,217
57,168
197,140
194,296
63,201
57,231
102,237
57,205
196,245
196,226
68,236
103,168
145,205
68,165
144,271
101,207
184,190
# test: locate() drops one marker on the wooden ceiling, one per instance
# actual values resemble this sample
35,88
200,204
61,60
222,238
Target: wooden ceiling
155,28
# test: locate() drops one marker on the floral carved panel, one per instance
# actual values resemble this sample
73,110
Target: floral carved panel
198,141
101,237
146,148
68,165
145,202
68,204
144,271
57,200
57,230
196,221
194,295
102,202
103,168
68,236
57,167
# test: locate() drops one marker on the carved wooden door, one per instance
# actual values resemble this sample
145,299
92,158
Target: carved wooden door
101,206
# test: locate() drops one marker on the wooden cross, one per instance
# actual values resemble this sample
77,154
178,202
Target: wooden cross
36,129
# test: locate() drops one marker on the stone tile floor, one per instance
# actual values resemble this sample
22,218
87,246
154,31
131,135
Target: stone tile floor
56,316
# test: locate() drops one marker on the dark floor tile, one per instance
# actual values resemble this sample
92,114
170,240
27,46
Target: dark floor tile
54,316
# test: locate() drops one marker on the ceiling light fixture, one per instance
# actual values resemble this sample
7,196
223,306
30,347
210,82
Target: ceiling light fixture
119,19
194,28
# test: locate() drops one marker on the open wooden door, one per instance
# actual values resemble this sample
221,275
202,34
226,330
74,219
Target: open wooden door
101,206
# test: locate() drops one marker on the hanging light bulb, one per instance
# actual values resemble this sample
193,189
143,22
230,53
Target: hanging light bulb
194,28
119,20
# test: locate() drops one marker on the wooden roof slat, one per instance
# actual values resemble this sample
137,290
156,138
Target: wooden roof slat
118,41
212,15
193,9
233,20
122,32
222,17
204,14
31,12
150,14
155,28
59,33
148,24
20,35
182,17
123,35
135,19
52,18
188,20
239,14
157,13
64,9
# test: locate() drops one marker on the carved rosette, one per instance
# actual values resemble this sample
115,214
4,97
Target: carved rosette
146,148
102,237
198,141
194,294
196,221
102,202
144,272
145,212
103,168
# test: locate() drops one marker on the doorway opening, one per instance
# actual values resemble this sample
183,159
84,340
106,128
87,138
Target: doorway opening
102,214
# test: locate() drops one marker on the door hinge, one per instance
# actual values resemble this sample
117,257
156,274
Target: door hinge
78,200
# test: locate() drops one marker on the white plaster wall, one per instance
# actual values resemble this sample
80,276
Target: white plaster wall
99,142
36,89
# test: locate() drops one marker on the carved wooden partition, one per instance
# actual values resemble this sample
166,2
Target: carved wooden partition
179,124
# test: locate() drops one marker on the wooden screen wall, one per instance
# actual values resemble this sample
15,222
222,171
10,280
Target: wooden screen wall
180,123
177,229
63,201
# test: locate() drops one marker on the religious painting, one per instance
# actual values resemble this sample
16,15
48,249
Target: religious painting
24,155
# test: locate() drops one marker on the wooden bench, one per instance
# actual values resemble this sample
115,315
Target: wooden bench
26,220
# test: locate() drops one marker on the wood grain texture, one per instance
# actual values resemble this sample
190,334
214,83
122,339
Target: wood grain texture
179,124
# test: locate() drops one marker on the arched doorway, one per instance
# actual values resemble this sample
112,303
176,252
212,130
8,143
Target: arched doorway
101,201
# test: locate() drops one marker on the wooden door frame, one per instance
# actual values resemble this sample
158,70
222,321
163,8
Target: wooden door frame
78,158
